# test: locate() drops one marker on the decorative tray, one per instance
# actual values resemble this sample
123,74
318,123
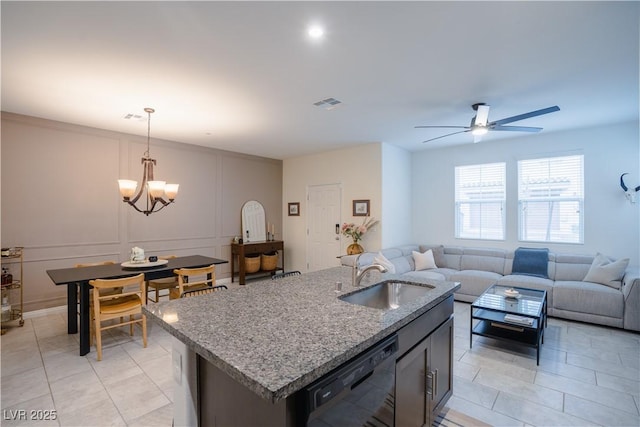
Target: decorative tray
146,264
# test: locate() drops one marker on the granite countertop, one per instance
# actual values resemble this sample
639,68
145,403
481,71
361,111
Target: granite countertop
275,337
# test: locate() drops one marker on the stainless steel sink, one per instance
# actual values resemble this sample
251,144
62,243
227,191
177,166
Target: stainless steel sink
387,295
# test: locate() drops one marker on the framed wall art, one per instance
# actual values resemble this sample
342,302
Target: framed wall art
294,209
361,208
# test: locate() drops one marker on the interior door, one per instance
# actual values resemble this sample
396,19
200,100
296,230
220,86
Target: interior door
323,227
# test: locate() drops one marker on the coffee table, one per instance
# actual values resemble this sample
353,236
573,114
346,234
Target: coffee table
521,319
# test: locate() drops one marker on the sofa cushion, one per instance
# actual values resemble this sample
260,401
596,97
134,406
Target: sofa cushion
445,256
424,261
523,281
551,265
587,297
606,271
403,264
424,274
446,272
474,282
383,261
483,259
572,267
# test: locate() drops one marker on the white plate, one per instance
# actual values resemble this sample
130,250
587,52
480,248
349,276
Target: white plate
145,264
514,294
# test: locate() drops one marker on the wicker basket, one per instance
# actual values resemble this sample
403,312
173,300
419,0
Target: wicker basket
269,261
251,263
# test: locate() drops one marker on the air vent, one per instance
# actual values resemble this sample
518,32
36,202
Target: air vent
132,116
328,104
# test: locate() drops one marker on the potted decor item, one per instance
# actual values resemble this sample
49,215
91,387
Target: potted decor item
355,232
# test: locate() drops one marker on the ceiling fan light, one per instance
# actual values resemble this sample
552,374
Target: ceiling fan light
479,131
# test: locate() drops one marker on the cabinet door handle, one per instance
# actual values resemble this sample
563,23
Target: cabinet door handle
428,384
337,228
435,385
432,379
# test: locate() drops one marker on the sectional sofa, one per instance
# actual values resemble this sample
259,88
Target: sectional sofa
614,301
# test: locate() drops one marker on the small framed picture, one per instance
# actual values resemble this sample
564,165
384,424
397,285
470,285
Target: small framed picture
361,208
294,209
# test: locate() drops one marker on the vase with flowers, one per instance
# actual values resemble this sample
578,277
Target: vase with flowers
355,232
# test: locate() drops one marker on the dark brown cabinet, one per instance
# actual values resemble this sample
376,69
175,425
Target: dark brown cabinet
424,378
240,250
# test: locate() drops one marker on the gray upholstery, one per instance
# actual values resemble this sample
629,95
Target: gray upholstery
568,295
587,297
475,281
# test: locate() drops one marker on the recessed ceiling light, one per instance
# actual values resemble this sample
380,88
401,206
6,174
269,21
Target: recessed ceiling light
315,32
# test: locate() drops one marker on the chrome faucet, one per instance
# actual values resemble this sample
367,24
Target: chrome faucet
358,274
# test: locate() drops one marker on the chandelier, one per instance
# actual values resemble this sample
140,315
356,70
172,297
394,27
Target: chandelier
155,190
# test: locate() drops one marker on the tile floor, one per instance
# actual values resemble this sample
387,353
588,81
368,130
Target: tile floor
588,375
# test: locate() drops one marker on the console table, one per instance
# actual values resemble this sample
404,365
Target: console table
241,250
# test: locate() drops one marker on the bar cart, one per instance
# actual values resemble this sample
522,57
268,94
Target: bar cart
12,286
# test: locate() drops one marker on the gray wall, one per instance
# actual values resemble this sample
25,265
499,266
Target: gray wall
60,199
612,224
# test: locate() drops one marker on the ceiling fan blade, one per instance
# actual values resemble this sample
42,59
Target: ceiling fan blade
444,136
525,115
517,128
441,127
482,115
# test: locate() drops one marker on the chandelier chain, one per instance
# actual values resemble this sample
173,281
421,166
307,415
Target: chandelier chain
148,111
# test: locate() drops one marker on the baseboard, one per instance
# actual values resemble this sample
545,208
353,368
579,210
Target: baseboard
45,311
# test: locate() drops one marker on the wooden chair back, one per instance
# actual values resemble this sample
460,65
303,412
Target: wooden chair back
158,285
202,291
287,274
125,306
193,278
93,264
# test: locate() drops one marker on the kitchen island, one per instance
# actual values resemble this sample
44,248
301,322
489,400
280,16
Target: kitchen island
261,345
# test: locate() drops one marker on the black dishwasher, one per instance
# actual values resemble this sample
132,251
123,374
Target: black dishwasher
359,392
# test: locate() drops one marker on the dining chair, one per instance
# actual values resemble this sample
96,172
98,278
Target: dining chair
283,274
202,291
160,284
125,306
116,290
193,278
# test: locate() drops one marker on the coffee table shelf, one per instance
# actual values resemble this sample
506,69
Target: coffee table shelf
490,309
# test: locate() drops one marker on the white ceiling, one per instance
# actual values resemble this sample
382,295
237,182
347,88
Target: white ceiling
243,76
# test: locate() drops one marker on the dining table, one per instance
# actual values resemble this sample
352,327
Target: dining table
77,279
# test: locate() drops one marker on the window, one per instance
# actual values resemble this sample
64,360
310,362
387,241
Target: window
480,199
550,199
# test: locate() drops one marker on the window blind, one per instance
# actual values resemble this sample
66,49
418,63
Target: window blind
479,201
551,199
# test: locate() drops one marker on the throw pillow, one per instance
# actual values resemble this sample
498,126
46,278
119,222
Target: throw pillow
438,256
383,261
606,271
424,261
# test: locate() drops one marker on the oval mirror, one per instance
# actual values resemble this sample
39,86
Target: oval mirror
254,226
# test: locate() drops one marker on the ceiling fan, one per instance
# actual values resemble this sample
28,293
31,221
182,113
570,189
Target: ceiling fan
480,124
